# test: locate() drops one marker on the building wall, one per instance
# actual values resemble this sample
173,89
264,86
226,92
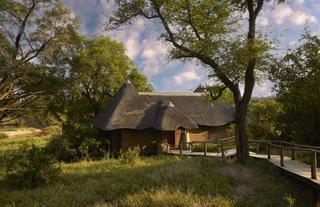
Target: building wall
146,139
204,133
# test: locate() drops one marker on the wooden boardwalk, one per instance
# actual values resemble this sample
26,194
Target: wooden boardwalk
228,153
308,174
292,166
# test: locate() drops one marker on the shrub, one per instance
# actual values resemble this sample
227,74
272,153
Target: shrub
3,135
62,149
91,148
31,168
130,156
78,142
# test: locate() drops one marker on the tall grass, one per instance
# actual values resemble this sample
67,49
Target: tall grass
162,181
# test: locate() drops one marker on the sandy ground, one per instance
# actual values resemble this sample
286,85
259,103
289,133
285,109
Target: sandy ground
22,132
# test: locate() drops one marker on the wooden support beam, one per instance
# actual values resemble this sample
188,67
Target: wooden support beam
180,147
281,157
167,148
313,165
269,149
205,148
191,147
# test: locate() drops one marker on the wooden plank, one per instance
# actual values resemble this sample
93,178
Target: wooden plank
294,166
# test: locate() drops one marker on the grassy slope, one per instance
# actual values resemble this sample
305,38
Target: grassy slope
158,181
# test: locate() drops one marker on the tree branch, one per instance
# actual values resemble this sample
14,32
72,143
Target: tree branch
22,29
216,96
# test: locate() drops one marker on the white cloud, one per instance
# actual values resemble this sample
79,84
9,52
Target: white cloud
300,18
281,13
284,14
130,36
299,1
187,76
263,21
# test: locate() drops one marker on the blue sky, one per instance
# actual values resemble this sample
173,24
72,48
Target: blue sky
283,22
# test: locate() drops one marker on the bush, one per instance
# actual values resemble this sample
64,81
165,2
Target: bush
31,168
210,148
78,143
3,135
62,149
130,156
53,129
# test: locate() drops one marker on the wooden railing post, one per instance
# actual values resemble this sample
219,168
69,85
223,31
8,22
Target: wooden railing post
293,154
313,165
180,147
167,148
191,146
281,156
205,149
222,149
268,148
258,148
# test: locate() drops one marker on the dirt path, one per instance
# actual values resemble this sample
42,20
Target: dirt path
22,132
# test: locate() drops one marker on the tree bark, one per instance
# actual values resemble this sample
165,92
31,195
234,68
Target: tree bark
240,131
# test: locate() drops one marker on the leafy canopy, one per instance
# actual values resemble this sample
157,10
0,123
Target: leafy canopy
92,77
27,29
297,83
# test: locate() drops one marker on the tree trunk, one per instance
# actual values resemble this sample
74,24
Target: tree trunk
240,131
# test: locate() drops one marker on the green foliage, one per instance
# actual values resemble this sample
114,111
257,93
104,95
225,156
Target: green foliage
92,77
219,93
27,29
32,167
297,82
289,199
3,135
130,156
263,120
210,148
78,142
62,149
207,31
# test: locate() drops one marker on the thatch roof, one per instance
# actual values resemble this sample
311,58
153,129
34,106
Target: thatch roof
170,118
162,111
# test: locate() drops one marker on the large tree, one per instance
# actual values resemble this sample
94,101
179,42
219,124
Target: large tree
27,28
91,74
297,83
210,32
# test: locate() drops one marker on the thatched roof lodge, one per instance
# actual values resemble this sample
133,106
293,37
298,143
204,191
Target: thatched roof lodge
146,119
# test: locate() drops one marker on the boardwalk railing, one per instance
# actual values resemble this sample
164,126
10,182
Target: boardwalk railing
220,143
283,145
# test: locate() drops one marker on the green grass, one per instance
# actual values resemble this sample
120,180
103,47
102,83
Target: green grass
159,181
